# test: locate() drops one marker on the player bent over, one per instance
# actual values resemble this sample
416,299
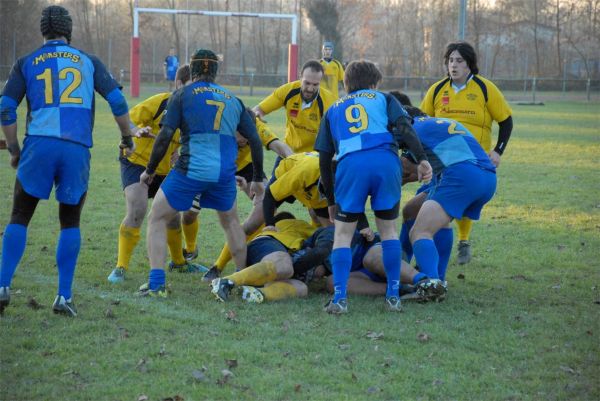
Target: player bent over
148,114
59,82
466,181
208,117
356,129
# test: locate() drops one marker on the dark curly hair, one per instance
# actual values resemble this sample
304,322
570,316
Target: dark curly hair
204,65
56,22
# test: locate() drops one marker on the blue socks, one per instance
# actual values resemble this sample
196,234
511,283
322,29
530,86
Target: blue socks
156,279
407,250
67,251
418,277
341,261
13,246
427,257
443,242
391,263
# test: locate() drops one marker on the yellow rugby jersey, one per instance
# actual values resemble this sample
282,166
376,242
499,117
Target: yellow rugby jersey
302,125
475,106
334,73
291,234
148,114
266,136
298,175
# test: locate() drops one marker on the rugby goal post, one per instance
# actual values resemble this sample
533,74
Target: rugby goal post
135,40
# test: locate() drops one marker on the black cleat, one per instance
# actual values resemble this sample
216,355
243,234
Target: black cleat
4,298
211,274
221,288
64,306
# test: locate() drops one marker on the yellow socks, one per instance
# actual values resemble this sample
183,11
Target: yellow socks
174,241
128,239
225,255
464,228
190,233
279,290
255,275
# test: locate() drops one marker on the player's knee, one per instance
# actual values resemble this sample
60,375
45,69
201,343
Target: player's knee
189,217
301,288
69,215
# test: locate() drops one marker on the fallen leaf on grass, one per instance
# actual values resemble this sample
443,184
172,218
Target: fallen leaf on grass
44,248
109,314
297,388
460,276
116,302
142,397
199,376
373,335
438,382
141,366
561,247
354,378
34,304
344,346
372,390
231,363
589,332
162,351
520,277
556,287
423,337
231,315
174,398
475,313
568,369
225,376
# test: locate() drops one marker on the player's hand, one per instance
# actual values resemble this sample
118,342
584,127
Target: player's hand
257,189
495,158
367,233
14,160
424,171
241,182
127,146
15,154
332,212
146,178
2,144
144,132
270,228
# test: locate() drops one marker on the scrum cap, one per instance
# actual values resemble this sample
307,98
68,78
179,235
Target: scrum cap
56,22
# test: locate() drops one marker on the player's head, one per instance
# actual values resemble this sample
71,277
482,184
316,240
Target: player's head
361,75
310,80
460,59
172,51
327,49
56,23
183,76
204,65
402,98
414,111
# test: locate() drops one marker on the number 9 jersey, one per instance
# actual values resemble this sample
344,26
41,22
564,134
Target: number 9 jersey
59,81
359,121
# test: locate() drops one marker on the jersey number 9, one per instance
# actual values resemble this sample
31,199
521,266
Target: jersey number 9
361,120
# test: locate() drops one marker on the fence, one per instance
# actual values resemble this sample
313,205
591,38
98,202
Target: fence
515,89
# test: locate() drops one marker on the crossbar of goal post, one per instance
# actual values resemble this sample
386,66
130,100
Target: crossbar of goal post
135,40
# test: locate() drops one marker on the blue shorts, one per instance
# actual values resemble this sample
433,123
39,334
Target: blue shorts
260,247
427,187
171,75
358,253
463,189
47,162
376,173
130,174
180,191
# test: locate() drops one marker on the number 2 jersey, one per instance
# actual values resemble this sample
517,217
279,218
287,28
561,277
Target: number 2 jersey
447,142
59,82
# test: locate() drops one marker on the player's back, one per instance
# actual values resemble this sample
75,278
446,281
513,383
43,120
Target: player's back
359,121
59,82
449,142
210,116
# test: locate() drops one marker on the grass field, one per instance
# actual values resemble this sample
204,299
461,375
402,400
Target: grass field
520,322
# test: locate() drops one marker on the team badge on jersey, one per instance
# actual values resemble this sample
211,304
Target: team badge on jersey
293,113
445,98
471,96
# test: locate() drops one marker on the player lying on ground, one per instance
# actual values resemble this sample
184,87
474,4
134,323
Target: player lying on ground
465,182
148,114
269,264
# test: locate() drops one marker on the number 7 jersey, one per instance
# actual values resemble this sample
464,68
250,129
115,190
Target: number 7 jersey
59,82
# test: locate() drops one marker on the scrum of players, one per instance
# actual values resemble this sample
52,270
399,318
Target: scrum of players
188,150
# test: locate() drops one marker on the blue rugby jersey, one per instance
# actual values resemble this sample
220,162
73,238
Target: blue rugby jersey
359,121
208,117
448,142
59,82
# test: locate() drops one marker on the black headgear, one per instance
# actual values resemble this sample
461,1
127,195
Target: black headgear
55,22
204,62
